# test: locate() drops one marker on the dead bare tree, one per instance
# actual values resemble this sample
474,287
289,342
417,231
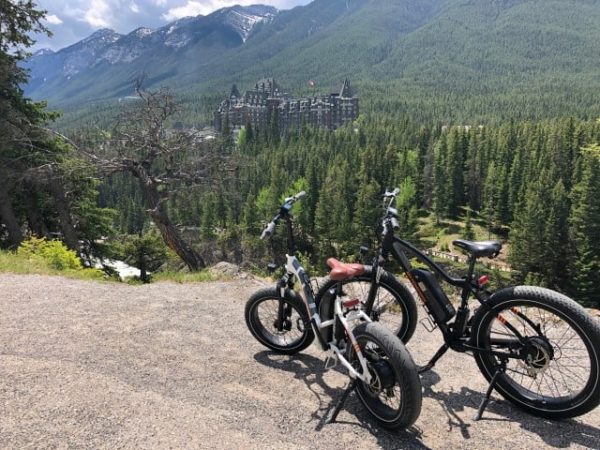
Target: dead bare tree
162,160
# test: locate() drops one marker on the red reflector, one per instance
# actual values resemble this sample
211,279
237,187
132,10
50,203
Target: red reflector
350,303
483,280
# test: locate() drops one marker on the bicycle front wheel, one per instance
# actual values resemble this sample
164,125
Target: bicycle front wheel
292,335
394,306
394,394
557,372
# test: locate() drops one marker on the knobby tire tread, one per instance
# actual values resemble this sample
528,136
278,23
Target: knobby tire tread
412,396
574,311
296,302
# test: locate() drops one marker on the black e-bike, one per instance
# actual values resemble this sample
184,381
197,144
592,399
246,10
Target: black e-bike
287,321
538,348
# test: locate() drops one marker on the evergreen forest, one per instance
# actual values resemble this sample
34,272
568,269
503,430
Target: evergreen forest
134,183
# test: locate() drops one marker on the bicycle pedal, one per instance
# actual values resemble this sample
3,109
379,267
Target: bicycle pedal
428,324
331,362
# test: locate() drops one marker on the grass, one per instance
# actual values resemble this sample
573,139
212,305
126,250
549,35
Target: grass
439,236
189,277
12,263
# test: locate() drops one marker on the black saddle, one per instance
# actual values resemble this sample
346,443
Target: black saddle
489,249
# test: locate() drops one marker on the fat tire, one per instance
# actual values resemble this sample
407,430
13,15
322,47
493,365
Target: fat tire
257,328
406,376
572,313
402,295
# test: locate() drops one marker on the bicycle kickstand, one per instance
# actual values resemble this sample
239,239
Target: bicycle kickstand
500,370
340,404
443,349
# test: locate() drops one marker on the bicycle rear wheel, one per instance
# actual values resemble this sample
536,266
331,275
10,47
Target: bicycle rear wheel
394,394
558,372
394,306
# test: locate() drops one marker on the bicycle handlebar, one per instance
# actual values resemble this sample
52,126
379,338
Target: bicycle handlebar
268,231
393,194
284,209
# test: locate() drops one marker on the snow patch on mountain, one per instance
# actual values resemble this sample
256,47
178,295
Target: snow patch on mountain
143,32
102,36
43,52
243,20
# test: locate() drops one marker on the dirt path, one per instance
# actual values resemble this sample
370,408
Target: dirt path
99,365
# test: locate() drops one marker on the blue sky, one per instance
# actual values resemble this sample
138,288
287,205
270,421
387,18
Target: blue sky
73,20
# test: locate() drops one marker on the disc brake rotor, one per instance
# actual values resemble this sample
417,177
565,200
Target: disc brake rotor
536,355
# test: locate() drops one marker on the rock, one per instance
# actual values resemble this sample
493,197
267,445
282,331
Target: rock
227,269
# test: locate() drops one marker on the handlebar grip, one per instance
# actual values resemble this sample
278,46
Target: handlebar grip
294,198
395,224
268,231
394,193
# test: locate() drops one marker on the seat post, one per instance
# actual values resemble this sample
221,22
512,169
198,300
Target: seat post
472,260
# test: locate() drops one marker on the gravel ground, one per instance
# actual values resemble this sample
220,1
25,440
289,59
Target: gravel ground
105,365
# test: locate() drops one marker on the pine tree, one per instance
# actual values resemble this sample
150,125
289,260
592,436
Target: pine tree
490,197
406,204
469,234
455,163
332,216
528,231
474,175
585,232
555,241
441,199
367,211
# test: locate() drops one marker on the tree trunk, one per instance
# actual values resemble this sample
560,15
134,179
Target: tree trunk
143,272
64,215
168,231
7,215
36,221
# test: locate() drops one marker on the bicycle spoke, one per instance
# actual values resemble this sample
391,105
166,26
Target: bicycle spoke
558,361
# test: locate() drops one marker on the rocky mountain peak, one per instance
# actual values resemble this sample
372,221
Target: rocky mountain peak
243,18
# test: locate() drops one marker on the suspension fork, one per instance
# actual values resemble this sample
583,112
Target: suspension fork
284,309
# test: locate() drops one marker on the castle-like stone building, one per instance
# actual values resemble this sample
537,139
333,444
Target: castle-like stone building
265,103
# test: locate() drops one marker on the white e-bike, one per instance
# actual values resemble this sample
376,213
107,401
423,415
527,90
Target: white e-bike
381,369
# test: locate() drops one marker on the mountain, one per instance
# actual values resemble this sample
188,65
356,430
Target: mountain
47,65
120,58
440,59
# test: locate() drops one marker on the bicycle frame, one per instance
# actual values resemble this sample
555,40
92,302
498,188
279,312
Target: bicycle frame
453,332
295,271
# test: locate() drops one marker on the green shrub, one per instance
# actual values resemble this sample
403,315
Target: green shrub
39,256
54,253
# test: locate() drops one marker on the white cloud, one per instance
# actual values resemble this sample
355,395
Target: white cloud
98,14
73,20
204,7
53,19
191,8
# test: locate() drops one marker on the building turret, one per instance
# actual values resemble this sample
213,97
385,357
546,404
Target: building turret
234,92
346,91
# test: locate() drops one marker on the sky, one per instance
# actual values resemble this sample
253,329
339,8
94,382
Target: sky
72,20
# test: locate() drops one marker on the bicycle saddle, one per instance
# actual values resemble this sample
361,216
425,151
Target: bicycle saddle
342,271
489,249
